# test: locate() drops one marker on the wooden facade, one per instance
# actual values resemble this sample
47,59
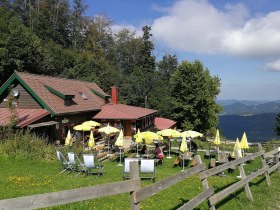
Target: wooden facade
37,92
24,100
130,127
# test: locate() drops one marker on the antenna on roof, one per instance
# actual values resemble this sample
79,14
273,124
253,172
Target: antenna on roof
84,96
15,93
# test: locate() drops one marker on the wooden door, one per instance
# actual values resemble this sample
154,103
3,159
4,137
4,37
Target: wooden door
127,128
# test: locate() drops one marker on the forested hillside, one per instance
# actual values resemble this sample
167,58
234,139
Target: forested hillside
54,37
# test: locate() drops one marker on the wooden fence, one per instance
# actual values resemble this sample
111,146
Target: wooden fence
138,194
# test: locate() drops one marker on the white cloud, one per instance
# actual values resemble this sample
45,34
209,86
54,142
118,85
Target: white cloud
273,66
116,28
260,37
197,26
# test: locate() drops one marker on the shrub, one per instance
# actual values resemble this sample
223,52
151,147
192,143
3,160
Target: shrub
26,145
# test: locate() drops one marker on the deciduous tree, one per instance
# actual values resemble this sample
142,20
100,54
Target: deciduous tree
194,92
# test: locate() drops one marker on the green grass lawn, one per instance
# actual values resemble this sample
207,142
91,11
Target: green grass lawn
26,177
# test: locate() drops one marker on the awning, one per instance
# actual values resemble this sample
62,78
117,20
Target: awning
42,124
163,123
25,116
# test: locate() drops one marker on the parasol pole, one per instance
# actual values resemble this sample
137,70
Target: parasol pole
120,163
183,162
169,150
137,155
83,139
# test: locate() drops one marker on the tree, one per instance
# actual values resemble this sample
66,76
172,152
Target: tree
147,61
78,26
49,19
167,65
194,92
99,38
126,51
160,96
21,50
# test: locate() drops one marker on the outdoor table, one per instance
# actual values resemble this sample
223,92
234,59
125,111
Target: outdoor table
147,156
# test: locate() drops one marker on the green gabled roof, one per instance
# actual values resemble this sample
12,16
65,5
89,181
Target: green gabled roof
98,94
15,77
59,94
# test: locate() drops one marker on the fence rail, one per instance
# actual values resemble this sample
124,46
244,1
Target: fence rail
138,194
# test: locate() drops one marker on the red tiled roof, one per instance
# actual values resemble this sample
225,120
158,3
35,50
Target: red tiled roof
26,116
163,123
122,111
67,87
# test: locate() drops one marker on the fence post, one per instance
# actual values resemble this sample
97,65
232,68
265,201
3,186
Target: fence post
243,176
204,182
264,165
276,157
134,174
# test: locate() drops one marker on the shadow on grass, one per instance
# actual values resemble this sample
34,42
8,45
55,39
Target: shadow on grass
236,193
183,201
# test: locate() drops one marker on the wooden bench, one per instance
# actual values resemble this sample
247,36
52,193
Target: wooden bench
177,161
193,163
102,156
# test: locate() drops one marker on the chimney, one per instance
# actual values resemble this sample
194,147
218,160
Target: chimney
114,95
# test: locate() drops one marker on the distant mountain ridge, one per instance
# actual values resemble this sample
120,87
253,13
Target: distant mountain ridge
258,127
245,108
256,118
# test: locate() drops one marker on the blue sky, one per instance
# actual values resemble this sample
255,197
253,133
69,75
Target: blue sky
239,41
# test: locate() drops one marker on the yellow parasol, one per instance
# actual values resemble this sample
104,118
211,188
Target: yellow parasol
68,140
138,139
191,134
171,133
217,141
120,139
217,138
120,143
244,142
184,148
91,142
91,123
109,130
149,137
237,148
82,127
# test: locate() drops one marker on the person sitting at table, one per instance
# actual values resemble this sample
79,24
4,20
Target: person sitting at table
193,146
143,151
158,152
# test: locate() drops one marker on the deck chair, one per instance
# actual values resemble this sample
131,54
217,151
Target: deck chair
126,168
65,164
72,157
89,167
148,169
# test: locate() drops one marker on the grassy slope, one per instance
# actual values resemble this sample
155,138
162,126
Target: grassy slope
23,177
